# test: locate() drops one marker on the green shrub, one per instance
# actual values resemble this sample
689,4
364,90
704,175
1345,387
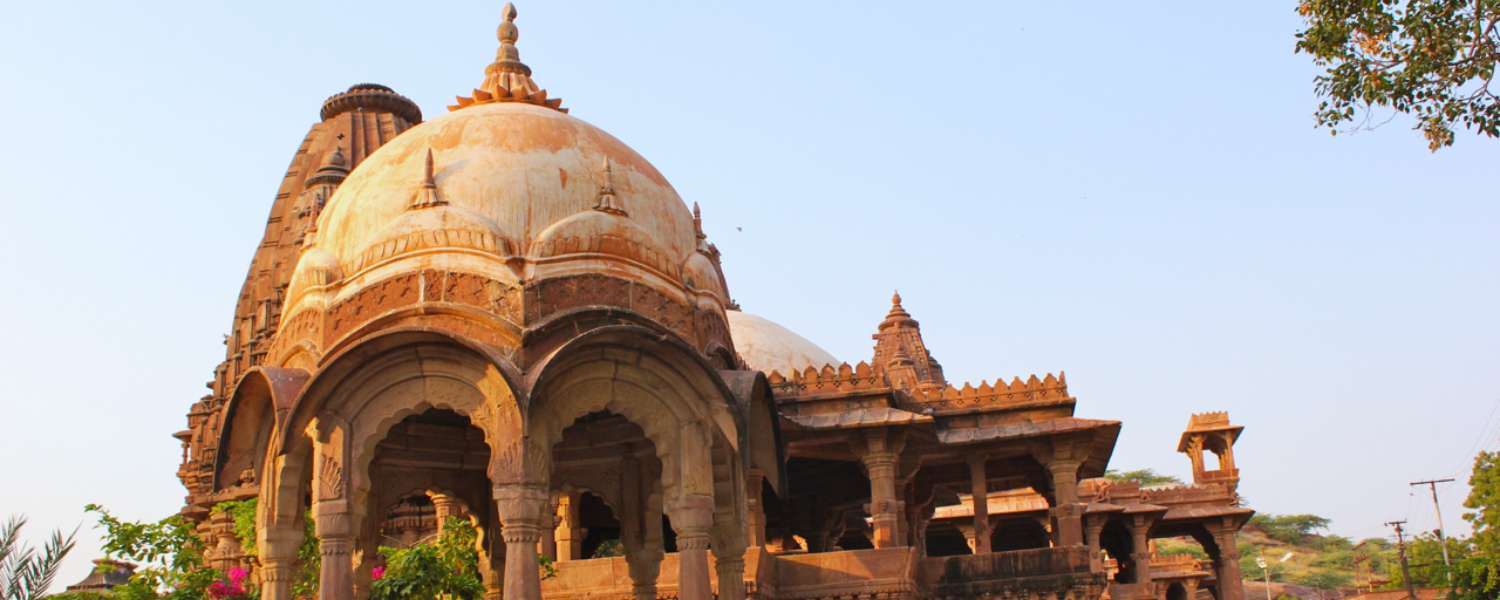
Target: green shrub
447,567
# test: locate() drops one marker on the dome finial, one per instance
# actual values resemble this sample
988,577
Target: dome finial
507,33
508,79
428,194
898,313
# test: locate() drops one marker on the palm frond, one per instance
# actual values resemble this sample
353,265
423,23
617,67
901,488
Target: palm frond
26,574
43,567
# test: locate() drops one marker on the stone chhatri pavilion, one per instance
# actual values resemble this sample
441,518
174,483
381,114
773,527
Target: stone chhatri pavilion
506,314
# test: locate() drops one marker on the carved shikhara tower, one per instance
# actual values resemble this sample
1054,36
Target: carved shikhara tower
506,314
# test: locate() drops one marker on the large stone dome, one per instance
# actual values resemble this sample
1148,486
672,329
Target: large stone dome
768,346
510,211
520,188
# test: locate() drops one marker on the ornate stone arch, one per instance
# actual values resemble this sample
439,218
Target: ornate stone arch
259,400
330,431
652,379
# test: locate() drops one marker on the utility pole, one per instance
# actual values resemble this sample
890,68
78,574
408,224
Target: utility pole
1411,588
1442,540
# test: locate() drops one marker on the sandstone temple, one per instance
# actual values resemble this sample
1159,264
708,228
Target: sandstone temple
507,315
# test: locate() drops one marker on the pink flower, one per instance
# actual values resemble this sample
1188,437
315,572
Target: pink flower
237,575
218,589
377,573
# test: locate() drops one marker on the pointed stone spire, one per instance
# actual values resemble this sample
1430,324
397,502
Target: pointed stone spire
704,247
607,202
899,347
508,79
698,222
427,195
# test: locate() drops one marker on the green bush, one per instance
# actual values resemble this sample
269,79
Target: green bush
447,567
1324,580
1289,529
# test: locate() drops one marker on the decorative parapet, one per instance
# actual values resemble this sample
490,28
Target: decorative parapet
842,379
1187,494
1209,421
864,377
1177,565
999,394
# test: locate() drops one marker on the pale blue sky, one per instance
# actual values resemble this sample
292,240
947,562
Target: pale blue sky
1132,192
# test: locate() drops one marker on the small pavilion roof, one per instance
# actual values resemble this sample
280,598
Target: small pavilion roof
1024,429
862,417
1209,422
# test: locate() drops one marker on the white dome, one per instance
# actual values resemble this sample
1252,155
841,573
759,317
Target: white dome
767,346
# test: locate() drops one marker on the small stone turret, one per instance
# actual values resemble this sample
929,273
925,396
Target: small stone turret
1211,432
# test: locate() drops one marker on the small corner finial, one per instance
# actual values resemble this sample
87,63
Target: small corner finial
428,181
428,194
607,201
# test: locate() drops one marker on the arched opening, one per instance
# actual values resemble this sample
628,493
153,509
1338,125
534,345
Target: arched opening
605,466
943,539
854,539
1115,539
249,421
1176,591
1213,460
429,467
823,512
602,530
1019,534
387,417
411,521
630,399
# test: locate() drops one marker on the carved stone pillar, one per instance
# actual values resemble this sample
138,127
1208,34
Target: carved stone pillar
880,455
492,550
278,560
731,571
567,535
550,527
520,507
335,528
969,537
755,511
979,488
1227,564
1068,513
276,577
1093,528
445,506
1140,550
692,520
641,531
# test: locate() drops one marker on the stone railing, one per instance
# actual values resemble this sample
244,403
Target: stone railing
1039,573
879,574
